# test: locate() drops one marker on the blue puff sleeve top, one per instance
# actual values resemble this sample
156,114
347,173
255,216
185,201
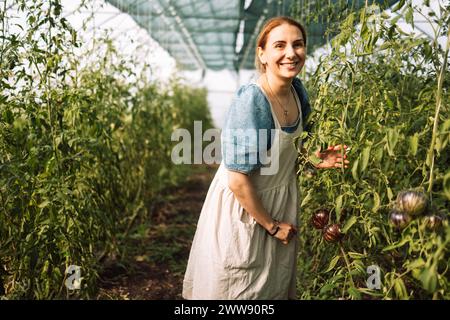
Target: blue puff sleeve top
249,112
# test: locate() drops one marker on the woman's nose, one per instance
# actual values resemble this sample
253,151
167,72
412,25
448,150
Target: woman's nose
290,52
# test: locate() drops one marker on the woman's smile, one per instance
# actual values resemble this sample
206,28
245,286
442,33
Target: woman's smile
290,65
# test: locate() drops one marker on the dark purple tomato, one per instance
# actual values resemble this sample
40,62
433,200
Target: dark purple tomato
413,203
332,233
433,222
399,219
320,218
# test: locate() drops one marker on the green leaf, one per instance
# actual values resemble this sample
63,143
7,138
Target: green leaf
396,245
395,19
350,222
376,202
418,263
354,293
307,198
385,15
427,50
445,127
392,139
8,116
326,288
413,144
365,158
355,255
315,160
370,292
446,184
44,204
31,19
415,273
355,170
358,267
390,194
398,5
429,279
429,159
338,207
438,144
409,17
304,135
333,263
378,154
400,289
385,46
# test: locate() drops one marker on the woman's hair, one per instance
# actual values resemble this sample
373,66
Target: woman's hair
263,35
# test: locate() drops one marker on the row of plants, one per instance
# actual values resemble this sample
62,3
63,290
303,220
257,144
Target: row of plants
84,150
383,92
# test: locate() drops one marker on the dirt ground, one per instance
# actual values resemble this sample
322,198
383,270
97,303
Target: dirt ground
159,251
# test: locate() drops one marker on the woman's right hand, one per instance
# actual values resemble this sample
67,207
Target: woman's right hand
286,232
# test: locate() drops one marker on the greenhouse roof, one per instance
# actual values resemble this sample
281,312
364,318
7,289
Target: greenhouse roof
217,34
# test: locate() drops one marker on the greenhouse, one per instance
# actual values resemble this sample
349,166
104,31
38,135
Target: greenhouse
224,150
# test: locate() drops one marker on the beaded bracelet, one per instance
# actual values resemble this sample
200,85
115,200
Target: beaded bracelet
277,225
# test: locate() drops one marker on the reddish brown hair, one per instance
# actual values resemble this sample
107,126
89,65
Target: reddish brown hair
264,34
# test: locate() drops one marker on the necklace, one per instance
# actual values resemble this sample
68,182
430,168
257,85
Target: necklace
285,112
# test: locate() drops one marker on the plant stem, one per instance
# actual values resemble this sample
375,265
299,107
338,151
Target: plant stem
3,17
343,131
436,116
344,116
50,108
347,262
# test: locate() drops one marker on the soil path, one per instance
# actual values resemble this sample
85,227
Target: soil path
159,251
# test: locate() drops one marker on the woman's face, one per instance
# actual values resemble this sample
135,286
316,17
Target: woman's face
285,51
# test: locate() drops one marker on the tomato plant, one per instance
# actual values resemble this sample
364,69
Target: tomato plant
384,93
83,153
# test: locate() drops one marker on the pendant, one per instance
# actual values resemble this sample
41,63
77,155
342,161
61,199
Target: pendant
285,113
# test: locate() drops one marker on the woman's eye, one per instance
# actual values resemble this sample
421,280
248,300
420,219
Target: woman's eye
295,45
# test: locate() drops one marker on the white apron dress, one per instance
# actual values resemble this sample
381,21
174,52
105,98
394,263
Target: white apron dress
232,256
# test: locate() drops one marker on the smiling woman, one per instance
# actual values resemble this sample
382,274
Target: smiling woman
245,245
271,40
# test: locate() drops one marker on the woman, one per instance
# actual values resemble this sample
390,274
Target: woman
244,246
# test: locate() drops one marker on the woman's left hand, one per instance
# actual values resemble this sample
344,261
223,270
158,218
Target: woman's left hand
332,158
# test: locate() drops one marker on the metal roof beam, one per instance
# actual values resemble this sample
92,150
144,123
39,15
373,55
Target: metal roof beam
248,46
186,35
220,40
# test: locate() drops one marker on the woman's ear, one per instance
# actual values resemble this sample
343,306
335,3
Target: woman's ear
261,56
